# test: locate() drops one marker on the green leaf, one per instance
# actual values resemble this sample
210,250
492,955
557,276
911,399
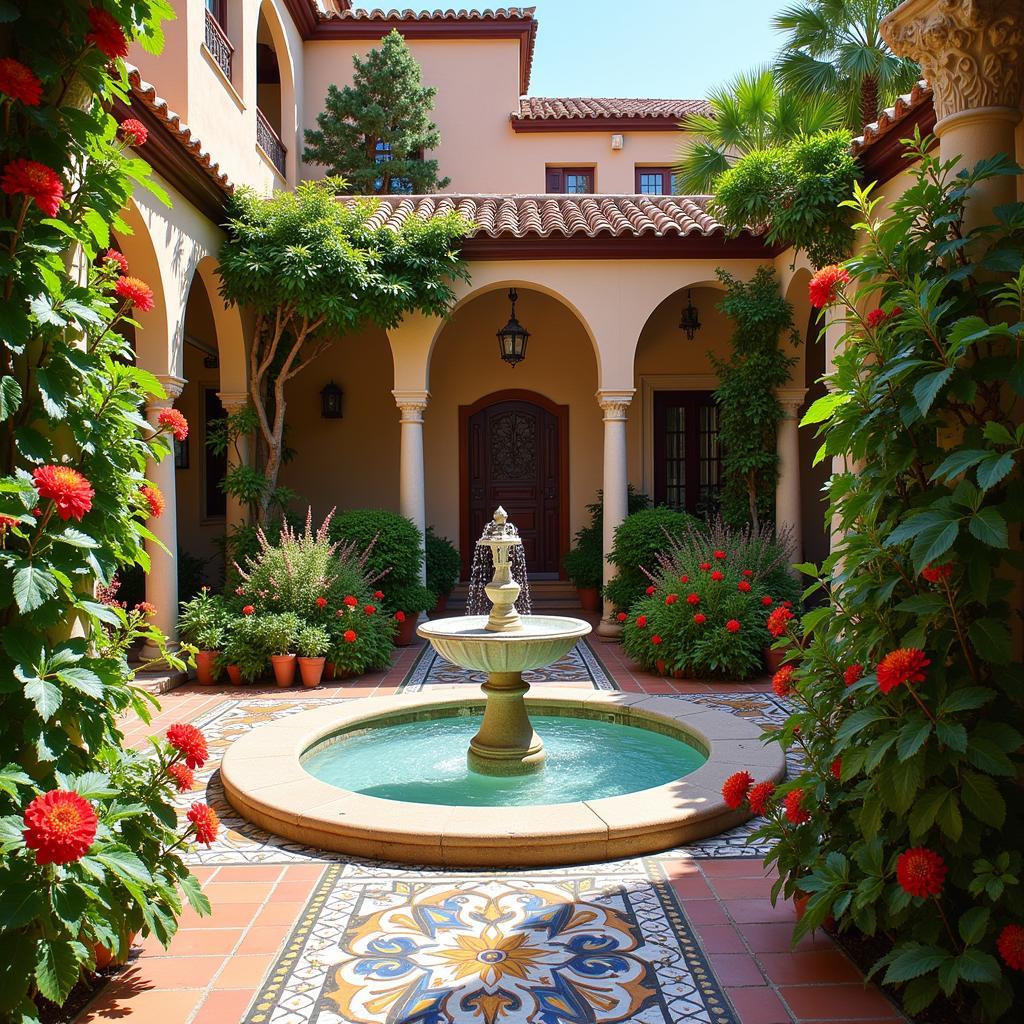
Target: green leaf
959,462
84,680
33,587
972,924
914,961
57,969
928,387
823,408
966,699
949,817
124,864
197,899
75,538
987,757
45,695
932,543
10,397
857,721
21,903
912,737
993,469
921,604
952,735
991,639
977,966
988,526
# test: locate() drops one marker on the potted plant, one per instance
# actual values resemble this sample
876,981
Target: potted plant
244,655
277,635
202,623
584,565
443,568
209,640
312,644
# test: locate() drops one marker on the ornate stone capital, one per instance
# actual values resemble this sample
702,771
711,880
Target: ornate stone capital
173,386
233,401
615,403
971,51
791,399
411,404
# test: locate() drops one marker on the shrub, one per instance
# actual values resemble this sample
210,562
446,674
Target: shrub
395,555
909,681
312,642
444,566
637,542
203,620
275,634
361,636
244,647
584,563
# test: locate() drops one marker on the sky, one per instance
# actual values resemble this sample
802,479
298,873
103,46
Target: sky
669,49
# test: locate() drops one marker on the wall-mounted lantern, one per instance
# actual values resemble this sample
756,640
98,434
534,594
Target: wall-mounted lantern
330,401
512,338
690,319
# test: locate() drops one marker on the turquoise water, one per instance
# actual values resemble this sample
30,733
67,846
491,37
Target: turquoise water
425,763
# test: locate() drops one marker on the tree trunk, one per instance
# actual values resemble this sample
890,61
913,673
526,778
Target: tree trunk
868,100
752,501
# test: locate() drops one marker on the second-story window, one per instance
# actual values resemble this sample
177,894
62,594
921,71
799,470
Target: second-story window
219,10
396,186
569,180
654,181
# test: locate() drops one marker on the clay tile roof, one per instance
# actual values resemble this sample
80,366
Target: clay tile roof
545,216
472,14
180,132
565,108
893,116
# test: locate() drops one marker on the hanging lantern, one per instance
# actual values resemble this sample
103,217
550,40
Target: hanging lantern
512,338
690,319
330,401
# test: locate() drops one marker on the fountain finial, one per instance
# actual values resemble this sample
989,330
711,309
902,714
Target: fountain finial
501,536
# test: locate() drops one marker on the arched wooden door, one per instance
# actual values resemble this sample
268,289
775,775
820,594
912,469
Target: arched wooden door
515,453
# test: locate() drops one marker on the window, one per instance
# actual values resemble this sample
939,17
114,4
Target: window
396,186
654,181
219,10
569,180
687,455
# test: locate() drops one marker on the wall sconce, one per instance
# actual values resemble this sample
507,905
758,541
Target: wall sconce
617,141
690,319
330,401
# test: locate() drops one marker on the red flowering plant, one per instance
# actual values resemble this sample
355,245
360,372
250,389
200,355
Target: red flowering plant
908,677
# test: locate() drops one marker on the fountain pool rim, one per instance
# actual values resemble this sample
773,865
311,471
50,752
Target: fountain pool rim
265,782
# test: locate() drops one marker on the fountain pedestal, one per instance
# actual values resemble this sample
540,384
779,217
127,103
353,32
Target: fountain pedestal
506,743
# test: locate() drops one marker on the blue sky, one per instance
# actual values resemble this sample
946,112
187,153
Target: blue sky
675,49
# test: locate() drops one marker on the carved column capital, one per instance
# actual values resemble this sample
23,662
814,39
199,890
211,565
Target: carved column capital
411,404
173,387
971,51
791,398
233,401
615,403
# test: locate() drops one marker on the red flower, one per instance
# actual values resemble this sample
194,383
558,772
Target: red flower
733,625
787,604
793,803
321,602
66,487
825,284
379,594
146,608
777,621
370,609
671,599
40,183
621,617
60,826
853,673
748,573
6,522
905,665
1011,946
349,636
876,317
837,768
717,576
175,421
650,590
743,587
656,640
399,616
921,872
735,788
106,35
20,82
684,578
759,796
248,610
700,618
766,601
936,573
206,823
187,740
782,681
349,601
182,775
693,599
135,132
154,499
641,621
137,293
117,258
705,566
720,555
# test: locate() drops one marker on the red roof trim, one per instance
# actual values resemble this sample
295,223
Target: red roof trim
879,148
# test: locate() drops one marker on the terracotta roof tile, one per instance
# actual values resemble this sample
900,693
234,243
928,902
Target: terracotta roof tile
546,216
558,108
892,116
179,131
464,14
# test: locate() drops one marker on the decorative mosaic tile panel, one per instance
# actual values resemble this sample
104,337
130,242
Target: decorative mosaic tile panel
554,947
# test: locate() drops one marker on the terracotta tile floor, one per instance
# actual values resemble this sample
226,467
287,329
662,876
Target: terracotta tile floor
215,965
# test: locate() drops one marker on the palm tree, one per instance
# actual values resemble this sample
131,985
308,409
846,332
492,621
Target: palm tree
834,48
750,113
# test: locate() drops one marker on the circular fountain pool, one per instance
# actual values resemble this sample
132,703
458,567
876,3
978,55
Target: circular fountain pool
424,762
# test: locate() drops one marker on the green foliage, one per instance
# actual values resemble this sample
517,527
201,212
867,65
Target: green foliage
395,557
750,114
203,620
386,106
926,398
795,191
312,642
276,633
749,412
638,540
71,395
584,563
444,566
244,646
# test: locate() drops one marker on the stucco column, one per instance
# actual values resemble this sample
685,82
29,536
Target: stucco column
972,53
411,480
238,455
162,581
787,489
615,487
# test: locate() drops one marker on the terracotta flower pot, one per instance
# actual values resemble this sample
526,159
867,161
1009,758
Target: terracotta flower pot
105,957
678,673
235,675
441,604
284,669
407,630
206,672
330,670
590,598
800,901
660,666
773,659
311,670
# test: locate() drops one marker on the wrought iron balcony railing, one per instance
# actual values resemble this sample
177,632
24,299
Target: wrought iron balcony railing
219,45
270,142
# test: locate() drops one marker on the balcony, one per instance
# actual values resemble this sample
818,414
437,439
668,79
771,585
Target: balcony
270,142
219,45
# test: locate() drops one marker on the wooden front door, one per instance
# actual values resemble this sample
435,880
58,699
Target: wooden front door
516,455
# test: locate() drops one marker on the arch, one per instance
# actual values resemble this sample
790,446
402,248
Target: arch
282,115
229,327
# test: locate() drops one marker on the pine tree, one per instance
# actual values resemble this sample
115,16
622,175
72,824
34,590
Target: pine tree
374,132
